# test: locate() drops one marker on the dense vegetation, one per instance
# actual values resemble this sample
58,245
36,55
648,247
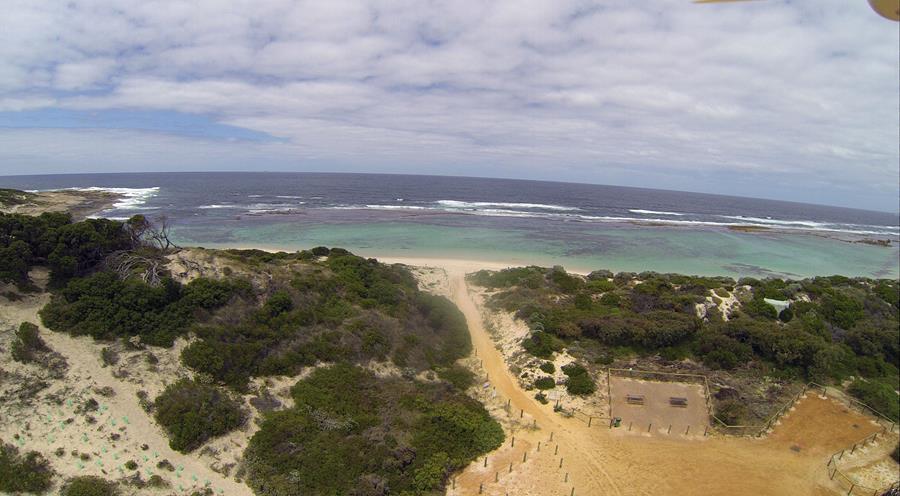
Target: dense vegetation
191,413
343,308
23,474
27,343
104,306
88,485
834,328
353,433
68,249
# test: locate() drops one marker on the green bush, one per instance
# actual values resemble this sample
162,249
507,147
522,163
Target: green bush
27,343
544,383
346,308
69,249
839,327
105,307
191,413
30,473
548,367
89,486
877,395
574,369
758,307
350,432
461,377
581,385
542,344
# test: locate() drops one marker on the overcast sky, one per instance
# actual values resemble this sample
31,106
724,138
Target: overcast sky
795,100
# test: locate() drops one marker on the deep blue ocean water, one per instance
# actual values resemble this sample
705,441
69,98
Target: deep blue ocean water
577,225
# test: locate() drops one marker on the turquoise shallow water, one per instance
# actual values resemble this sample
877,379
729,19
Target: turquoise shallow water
580,226
617,248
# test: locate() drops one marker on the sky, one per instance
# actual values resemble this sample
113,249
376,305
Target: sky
794,100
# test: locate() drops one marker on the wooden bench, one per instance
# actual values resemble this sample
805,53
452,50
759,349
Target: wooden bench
635,399
678,401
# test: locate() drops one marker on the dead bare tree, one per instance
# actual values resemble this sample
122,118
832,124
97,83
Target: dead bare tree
128,263
159,233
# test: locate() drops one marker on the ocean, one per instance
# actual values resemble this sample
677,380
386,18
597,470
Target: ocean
582,227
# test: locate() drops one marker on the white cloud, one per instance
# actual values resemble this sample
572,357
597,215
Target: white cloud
770,91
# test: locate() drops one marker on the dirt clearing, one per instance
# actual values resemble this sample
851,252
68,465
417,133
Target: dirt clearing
645,407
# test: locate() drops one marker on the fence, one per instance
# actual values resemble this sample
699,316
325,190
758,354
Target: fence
495,473
848,482
761,429
651,375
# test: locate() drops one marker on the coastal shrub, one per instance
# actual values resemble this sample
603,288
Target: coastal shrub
105,307
574,369
579,381
345,308
786,315
460,377
835,326
68,249
529,277
350,431
541,397
877,395
542,344
89,485
757,307
28,473
548,367
191,413
841,309
27,343
581,385
545,382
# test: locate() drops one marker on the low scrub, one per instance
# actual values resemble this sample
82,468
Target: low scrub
106,307
27,344
351,432
89,486
28,473
192,413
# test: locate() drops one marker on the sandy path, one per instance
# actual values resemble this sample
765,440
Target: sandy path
584,466
120,414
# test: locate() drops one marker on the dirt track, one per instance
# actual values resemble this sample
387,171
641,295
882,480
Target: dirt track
789,462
